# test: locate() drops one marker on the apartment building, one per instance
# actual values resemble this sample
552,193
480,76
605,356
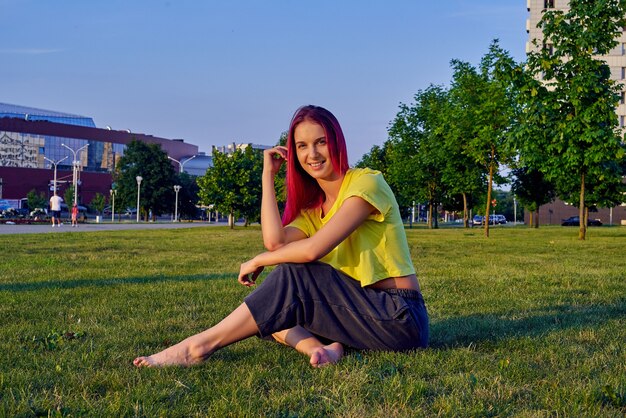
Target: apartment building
616,59
554,212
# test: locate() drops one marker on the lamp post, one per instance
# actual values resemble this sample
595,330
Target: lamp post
113,192
181,163
75,167
176,189
138,178
54,164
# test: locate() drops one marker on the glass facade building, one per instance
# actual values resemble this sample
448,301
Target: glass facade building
33,140
30,113
28,150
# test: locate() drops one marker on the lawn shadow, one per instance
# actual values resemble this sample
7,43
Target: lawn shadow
465,330
71,284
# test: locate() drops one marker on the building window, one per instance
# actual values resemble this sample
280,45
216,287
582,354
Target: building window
549,47
623,73
623,48
622,98
548,4
621,121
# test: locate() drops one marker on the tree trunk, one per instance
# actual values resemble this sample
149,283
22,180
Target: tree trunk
536,224
530,218
231,220
430,214
465,215
491,167
582,232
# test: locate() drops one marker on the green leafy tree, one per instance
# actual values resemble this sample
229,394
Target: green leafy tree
279,180
532,190
233,184
418,152
98,202
68,195
377,158
157,187
187,196
36,200
463,174
576,99
492,111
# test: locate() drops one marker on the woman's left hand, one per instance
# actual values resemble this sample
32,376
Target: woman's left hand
248,273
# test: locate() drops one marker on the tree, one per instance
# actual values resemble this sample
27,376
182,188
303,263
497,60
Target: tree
187,196
157,187
418,151
36,200
233,184
279,180
463,174
533,190
491,108
68,195
98,202
576,99
376,158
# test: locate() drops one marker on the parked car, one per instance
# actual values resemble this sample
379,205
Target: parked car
478,220
575,221
497,219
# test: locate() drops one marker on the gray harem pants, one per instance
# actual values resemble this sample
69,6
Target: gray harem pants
335,307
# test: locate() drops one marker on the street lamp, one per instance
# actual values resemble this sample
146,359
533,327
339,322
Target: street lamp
181,163
113,192
138,178
176,189
54,163
75,167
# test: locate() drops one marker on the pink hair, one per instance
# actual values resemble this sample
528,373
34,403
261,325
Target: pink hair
303,191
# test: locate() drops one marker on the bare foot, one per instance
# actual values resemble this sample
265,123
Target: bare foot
180,354
328,354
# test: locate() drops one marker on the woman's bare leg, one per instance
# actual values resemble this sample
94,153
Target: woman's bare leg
306,343
235,327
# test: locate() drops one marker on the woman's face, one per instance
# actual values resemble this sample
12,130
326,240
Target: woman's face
312,150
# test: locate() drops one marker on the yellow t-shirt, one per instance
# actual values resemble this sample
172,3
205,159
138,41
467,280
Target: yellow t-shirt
378,248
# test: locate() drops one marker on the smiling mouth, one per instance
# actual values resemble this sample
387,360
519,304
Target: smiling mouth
316,164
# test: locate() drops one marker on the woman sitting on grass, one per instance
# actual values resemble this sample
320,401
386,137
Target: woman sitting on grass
344,275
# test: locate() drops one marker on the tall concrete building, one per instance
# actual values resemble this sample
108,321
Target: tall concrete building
616,59
554,212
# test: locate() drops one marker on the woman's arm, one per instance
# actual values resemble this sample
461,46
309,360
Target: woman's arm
352,213
274,234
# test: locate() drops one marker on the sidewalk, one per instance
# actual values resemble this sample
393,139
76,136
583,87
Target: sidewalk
103,226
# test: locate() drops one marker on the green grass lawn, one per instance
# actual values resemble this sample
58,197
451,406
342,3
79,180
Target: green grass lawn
525,323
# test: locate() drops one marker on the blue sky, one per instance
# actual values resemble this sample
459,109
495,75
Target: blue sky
214,72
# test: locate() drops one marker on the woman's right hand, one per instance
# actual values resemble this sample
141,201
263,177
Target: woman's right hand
273,158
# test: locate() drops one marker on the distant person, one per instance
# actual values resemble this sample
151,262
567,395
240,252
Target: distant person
74,215
55,208
345,276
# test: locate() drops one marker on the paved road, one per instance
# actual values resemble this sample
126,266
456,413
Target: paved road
91,227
